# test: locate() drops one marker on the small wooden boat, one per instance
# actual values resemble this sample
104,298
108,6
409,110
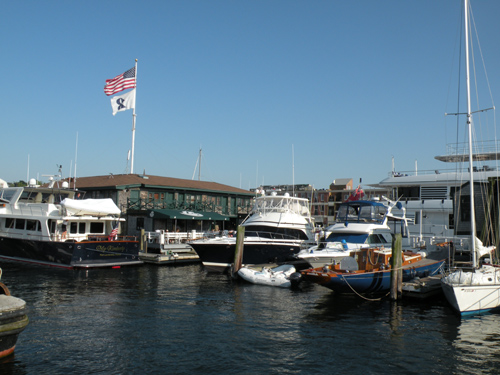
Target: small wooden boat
370,271
277,276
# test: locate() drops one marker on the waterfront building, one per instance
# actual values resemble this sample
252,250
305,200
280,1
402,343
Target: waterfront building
164,203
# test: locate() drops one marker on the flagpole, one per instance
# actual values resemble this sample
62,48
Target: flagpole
133,125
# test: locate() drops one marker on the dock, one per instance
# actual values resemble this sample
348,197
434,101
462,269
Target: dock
170,257
423,287
163,248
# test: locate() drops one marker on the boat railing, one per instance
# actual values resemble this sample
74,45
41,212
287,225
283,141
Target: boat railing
98,238
165,237
29,210
479,147
485,168
429,230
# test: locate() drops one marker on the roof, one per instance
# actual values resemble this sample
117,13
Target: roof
124,181
341,181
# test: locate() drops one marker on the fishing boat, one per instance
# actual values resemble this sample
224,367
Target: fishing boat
368,271
359,224
53,226
476,290
276,276
13,320
275,230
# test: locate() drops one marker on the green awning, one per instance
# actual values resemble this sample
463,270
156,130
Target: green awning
186,215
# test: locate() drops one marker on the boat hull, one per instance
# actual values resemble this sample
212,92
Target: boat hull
468,300
70,254
474,292
370,282
219,256
278,276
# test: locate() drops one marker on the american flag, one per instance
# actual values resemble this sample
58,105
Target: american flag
113,233
120,82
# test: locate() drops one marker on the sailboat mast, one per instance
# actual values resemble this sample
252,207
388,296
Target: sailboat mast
469,126
199,167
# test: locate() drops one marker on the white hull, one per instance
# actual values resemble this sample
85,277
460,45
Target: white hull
278,276
473,292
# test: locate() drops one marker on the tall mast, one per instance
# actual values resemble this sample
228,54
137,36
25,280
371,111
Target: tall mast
469,125
133,125
199,167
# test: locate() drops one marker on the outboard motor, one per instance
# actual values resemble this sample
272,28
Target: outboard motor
295,279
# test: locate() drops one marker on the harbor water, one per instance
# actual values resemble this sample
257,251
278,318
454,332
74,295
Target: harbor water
181,320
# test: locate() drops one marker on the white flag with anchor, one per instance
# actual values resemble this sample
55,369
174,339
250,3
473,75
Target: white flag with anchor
123,102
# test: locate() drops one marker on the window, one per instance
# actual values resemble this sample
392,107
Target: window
465,208
97,227
140,223
32,225
76,227
20,224
9,223
52,226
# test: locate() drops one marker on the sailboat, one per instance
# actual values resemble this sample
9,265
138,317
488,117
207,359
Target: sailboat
477,290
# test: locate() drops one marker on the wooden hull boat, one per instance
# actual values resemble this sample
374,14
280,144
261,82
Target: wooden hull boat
370,271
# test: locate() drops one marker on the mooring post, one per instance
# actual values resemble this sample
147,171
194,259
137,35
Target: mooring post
396,264
141,245
238,252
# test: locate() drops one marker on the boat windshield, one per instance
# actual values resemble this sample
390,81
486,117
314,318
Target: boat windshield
281,204
7,194
359,238
274,232
356,212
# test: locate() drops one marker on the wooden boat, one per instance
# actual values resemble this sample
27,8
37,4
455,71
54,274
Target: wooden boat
369,271
277,276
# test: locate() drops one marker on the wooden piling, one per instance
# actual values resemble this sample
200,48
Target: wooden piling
238,251
142,245
396,264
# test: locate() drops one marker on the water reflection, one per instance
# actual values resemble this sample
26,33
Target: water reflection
149,319
478,344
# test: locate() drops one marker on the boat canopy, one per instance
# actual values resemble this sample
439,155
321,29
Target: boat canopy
95,207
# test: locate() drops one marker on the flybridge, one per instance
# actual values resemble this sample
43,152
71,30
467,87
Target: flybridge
482,151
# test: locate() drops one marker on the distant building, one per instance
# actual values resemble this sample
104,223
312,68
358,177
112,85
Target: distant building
165,203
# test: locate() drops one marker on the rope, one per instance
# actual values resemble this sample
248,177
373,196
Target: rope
440,268
369,255
359,295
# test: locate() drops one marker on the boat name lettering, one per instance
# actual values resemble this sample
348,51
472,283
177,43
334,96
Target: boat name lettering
110,248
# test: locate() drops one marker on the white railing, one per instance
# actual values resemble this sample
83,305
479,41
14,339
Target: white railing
164,237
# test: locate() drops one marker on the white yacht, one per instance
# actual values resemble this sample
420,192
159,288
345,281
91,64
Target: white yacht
359,225
276,229
50,226
428,198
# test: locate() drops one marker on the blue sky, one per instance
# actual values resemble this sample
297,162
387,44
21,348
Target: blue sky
274,92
